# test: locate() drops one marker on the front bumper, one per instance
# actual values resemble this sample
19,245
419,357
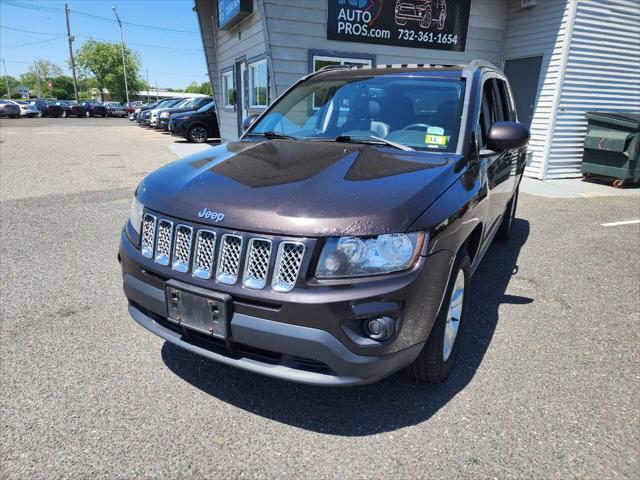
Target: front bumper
176,128
303,336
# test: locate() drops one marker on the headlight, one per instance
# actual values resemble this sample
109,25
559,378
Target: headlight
361,256
135,215
164,114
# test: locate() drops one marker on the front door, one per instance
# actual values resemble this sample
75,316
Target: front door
523,75
241,97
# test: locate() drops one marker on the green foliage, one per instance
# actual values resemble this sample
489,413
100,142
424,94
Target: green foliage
13,83
204,88
104,61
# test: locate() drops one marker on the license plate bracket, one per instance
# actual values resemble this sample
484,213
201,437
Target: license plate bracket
200,310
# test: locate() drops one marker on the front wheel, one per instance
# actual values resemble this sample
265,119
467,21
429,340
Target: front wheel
504,231
64,114
198,134
87,114
435,362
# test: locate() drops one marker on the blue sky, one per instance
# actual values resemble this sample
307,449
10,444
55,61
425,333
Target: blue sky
173,58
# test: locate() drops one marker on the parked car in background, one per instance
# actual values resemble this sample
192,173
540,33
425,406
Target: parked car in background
142,108
26,109
72,109
153,118
115,109
47,108
146,113
131,107
95,109
196,126
192,105
9,109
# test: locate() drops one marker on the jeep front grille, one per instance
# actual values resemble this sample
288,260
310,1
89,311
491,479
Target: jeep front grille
229,259
163,242
182,248
204,254
257,264
288,262
148,235
185,248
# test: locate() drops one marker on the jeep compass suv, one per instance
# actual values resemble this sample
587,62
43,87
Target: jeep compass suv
334,243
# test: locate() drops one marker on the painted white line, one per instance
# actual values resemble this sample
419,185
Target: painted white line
625,222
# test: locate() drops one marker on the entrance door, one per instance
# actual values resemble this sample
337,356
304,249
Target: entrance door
523,75
241,97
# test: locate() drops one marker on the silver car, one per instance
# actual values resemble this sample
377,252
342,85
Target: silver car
114,109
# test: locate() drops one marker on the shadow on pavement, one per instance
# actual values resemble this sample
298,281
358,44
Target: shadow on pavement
390,404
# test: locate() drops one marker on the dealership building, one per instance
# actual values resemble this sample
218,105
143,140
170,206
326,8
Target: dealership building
562,57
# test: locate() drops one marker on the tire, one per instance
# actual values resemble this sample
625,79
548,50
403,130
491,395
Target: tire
39,115
442,19
437,358
63,114
13,116
198,134
87,114
504,230
426,20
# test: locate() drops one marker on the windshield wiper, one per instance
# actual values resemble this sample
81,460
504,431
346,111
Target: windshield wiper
271,134
348,139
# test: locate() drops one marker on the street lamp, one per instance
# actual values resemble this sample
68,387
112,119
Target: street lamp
124,66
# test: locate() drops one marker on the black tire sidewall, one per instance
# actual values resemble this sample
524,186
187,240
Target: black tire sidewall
431,366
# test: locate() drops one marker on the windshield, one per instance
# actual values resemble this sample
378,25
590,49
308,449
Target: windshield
418,112
206,108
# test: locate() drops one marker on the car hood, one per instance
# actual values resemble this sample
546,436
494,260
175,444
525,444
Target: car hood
301,188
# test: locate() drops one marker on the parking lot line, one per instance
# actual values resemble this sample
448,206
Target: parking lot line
623,222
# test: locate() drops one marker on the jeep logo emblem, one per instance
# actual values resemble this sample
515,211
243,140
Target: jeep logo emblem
215,216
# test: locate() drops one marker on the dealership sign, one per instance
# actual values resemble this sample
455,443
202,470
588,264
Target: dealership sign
230,12
436,24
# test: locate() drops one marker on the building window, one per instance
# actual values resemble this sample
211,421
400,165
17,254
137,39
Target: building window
258,97
228,90
320,61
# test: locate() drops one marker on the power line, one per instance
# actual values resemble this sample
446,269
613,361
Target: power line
28,31
32,43
42,8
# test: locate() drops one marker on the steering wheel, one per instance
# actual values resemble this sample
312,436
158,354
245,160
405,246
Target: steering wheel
420,126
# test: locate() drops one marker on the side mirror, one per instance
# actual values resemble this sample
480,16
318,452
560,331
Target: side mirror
507,135
248,121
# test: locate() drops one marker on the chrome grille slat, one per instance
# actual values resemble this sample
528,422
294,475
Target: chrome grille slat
182,248
229,259
148,237
288,263
163,242
204,254
257,263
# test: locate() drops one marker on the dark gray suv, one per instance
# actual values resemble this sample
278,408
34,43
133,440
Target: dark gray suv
334,244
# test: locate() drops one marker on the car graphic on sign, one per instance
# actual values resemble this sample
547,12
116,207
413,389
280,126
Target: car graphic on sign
422,11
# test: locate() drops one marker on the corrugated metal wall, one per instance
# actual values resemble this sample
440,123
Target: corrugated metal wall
602,72
296,26
541,30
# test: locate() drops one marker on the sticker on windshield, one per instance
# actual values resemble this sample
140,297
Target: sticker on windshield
440,140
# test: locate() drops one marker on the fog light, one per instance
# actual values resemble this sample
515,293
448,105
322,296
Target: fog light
379,328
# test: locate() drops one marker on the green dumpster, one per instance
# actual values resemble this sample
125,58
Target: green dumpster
612,147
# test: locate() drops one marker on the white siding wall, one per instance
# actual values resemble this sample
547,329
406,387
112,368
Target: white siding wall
223,48
602,73
541,30
296,26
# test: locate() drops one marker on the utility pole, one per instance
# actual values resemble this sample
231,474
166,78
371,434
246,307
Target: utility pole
156,91
148,86
35,67
124,66
6,77
71,38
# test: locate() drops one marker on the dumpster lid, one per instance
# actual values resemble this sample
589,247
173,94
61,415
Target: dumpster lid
626,119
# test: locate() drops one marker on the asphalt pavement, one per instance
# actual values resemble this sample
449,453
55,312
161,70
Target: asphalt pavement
547,384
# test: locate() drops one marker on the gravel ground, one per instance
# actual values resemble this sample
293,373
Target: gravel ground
546,386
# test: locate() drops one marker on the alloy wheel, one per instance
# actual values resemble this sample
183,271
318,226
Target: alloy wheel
453,316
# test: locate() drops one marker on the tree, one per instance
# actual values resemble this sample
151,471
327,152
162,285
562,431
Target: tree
204,88
104,61
13,84
46,69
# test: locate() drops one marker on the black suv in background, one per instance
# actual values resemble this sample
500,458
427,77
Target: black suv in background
198,126
48,108
193,105
335,242
95,109
72,109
